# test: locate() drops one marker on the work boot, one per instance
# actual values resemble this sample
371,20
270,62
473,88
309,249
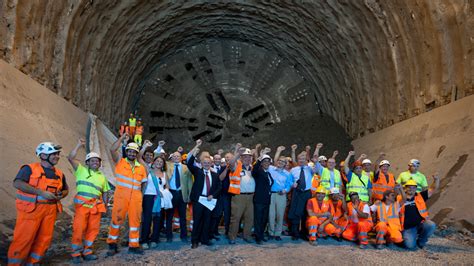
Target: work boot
135,251
145,246
76,260
278,238
361,246
113,249
153,245
313,243
232,242
90,257
379,246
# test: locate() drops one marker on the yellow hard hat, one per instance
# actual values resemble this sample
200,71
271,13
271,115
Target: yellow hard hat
410,182
321,189
132,146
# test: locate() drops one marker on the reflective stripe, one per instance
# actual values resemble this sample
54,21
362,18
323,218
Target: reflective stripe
26,198
35,256
78,201
87,251
128,185
14,261
133,228
423,211
74,246
88,243
114,226
381,232
87,194
113,237
363,234
127,178
133,240
234,186
89,184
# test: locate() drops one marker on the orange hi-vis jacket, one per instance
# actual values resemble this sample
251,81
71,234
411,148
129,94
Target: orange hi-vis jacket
128,178
350,208
27,202
338,212
420,205
234,179
139,130
379,187
391,216
325,207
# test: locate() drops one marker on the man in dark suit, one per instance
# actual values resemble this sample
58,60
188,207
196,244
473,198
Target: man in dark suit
206,184
262,197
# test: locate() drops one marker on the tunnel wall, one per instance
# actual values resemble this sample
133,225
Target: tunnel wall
30,114
442,140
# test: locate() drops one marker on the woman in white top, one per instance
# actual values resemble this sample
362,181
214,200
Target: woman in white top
152,198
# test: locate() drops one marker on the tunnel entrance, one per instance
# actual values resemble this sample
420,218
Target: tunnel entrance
226,91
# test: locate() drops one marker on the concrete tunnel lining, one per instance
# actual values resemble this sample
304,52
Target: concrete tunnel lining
397,58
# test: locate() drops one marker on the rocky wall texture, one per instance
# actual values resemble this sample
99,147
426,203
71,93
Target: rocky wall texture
368,64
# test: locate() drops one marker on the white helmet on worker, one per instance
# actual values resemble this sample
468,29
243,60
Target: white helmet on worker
132,146
91,155
366,161
322,158
47,148
384,162
334,190
247,152
414,162
267,157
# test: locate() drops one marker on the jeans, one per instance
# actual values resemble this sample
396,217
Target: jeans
418,235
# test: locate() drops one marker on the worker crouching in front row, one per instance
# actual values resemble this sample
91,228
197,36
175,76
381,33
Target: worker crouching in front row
360,221
320,215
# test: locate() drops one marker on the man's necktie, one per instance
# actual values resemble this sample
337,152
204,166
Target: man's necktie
302,181
208,183
177,177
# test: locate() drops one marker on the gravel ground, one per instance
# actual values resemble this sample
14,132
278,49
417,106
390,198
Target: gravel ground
438,251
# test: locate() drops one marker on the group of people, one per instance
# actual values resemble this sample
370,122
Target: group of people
133,128
246,188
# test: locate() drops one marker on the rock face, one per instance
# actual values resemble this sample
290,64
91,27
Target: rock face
368,64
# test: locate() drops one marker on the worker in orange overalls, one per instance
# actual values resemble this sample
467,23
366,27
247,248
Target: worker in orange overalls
130,179
138,133
90,202
387,212
320,215
360,222
124,129
339,208
40,187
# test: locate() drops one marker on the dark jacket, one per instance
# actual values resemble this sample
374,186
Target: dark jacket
200,179
263,184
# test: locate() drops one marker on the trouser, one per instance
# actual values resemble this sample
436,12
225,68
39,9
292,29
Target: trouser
313,223
276,213
223,205
297,213
201,218
150,218
126,201
180,205
138,139
341,224
359,231
241,208
260,215
131,131
419,234
85,227
32,235
386,230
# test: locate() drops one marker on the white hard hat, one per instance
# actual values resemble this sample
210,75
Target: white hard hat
322,158
334,190
132,146
384,162
47,148
266,156
247,152
92,155
415,162
366,161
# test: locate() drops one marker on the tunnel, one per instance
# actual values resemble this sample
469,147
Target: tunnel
225,71
370,75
